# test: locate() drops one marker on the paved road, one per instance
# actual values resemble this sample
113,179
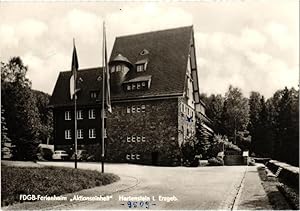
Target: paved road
194,188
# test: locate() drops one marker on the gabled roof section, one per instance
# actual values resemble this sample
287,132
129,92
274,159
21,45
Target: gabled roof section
91,80
167,62
167,58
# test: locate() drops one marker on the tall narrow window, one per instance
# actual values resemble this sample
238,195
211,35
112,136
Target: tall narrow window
118,68
143,139
112,69
128,87
80,134
67,134
138,109
79,114
93,95
138,86
67,115
133,86
128,110
143,84
92,133
143,108
92,114
133,109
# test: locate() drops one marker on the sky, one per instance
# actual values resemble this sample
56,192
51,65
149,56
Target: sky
250,44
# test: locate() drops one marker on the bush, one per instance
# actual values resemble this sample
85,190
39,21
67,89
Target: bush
215,161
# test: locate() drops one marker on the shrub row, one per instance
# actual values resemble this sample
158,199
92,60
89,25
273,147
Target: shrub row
287,175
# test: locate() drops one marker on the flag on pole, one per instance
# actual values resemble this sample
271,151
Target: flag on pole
74,68
106,75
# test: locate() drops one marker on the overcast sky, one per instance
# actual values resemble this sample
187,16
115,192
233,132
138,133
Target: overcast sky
250,44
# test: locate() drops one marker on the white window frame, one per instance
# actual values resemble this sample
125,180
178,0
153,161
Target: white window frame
138,86
92,114
79,115
92,133
80,134
132,109
67,115
133,86
118,68
112,70
138,109
143,139
128,139
133,138
140,67
128,111
128,87
143,108
68,134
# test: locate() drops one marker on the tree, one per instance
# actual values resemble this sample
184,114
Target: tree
214,108
19,103
288,125
45,115
254,106
202,140
235,112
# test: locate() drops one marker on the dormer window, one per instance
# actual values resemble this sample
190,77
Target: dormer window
144,52
138,83
140,68
141,65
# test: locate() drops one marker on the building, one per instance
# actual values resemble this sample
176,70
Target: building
155,98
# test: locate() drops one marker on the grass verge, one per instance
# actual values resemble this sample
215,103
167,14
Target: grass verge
48,181
276,199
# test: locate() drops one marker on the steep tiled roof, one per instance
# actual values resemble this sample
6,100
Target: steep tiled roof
90,80
167,62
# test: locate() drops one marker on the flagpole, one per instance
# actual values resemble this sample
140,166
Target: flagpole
103,106
75,112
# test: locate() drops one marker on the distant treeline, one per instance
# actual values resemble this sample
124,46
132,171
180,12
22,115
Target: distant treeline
25,119
273,124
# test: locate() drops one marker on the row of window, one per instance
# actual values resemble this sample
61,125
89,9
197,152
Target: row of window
79,116
136,86
186,109
132,156
136,109
92,133
119,68
136,139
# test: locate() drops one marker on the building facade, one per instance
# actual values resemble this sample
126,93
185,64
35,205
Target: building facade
155,100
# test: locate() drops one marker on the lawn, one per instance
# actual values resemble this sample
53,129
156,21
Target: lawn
47,181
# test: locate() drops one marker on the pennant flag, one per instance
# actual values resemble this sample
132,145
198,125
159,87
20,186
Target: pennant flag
106,74
74,69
